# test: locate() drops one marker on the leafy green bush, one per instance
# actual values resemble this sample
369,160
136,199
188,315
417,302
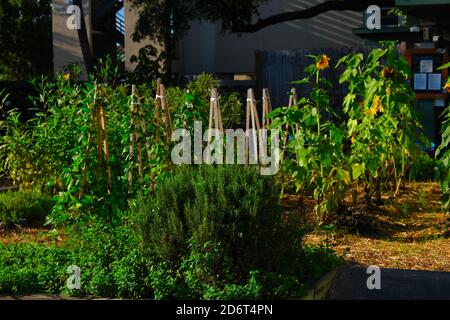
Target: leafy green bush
230,205
24,206
110,261
425,168
219,233
112,264
205,273
31,268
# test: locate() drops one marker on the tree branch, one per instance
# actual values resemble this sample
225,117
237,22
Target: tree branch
331,5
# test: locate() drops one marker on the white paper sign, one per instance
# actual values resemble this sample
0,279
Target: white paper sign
435,82
420,81
426,66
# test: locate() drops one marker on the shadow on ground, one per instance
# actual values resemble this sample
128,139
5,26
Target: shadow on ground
350,283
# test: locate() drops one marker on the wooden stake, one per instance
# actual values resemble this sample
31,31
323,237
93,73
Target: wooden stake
99,138
267,108
158,101
293,97
140,113
132,140
88,147
166,113
253,120
215,114
106,148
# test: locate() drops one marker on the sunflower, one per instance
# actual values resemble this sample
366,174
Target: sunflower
447,86
376,106
353,139
387,72
323,62
66,77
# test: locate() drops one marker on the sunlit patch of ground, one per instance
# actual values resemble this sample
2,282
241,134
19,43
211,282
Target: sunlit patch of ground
30,235
410,232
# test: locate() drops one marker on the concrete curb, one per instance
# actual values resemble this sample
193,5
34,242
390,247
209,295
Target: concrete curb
322,287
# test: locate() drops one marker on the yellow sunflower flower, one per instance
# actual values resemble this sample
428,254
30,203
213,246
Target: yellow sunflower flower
377,106
447,86
353,139
323,62
387,72
66,77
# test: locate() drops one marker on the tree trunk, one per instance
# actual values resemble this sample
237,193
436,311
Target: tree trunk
84,40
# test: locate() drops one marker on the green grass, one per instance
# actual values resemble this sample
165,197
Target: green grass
28,207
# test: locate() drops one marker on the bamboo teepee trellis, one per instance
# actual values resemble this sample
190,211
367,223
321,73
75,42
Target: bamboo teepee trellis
97,125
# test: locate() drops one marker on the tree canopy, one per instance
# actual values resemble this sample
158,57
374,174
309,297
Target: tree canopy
25,38
239,16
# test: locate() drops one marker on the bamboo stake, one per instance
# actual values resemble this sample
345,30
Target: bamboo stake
255,123
137,135
99,138
106,148
132,140
293,97
211,113
166,113
267,108
253,119
88,147
219,115
140,113
293,102
247,128
215,114
157,101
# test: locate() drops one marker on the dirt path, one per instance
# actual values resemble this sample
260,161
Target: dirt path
410,233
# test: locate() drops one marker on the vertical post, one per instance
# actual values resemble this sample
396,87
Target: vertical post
247,128
215,114
157,101
166,113
293,97
88,147
211,113
106,148
99,135
253,121
267,108
132,138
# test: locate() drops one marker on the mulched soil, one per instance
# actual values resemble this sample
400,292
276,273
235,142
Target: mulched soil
31,235
410,232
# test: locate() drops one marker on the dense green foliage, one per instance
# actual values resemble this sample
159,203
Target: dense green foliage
25,39
314,160
112,265
229,205
425,168
375,147
198,232
26,207
383,126
444,153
